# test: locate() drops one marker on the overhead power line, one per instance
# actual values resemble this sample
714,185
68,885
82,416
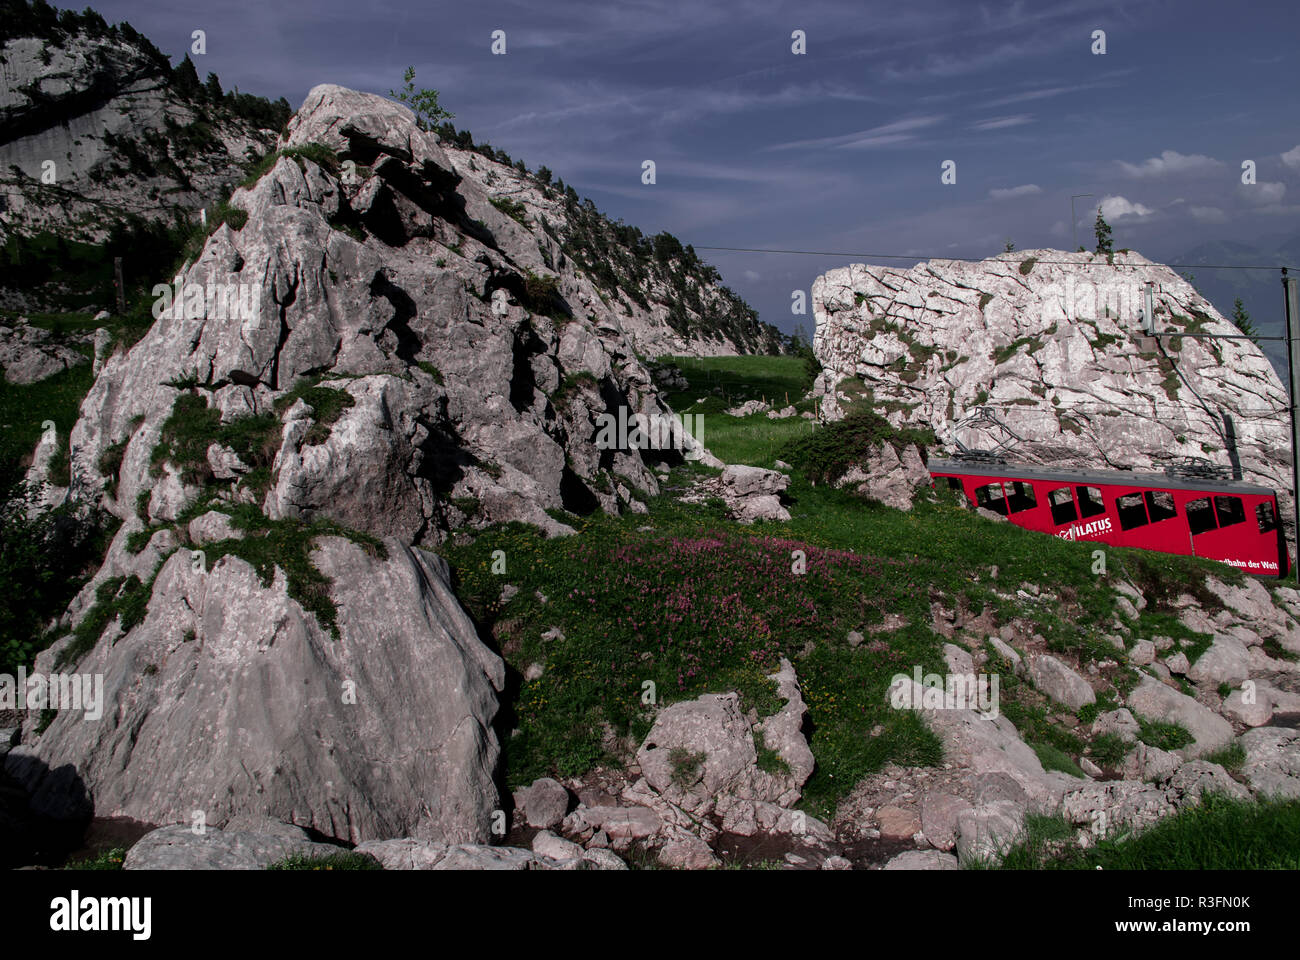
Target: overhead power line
1069,263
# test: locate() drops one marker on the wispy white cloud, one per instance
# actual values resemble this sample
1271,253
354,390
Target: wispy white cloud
1292,158
1001,123
1170,162
897,132
1208,214
1024,190
1045,93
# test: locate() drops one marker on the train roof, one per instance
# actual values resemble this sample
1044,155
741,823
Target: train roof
1122,478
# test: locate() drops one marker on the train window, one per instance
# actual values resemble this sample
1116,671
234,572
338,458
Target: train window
1199,515
991,497
1230,511
1090,501
1020,496
1132,513
1160,505
1062,506
1265,516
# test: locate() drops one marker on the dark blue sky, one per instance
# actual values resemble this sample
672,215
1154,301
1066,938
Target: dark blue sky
838,149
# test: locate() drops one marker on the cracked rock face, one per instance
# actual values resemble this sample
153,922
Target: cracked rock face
230,700
120,138
394,279
1054,347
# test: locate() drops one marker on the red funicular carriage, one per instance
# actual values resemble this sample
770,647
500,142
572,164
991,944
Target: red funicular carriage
1192,508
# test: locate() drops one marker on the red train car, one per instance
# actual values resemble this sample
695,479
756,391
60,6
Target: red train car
1225,520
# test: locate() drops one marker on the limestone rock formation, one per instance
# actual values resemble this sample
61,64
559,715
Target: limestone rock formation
1051,341
231,700
474,389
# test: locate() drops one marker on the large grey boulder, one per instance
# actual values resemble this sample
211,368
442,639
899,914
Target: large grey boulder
987,832
1153,700
179,847
923,860
746,481
1272,766
751,493
407,853
1106,808
1194,779
29,354
700,754
103,108
1060,682
545,802
697,750
888,475
983,745
230,700
394,280
1226,661
1119,722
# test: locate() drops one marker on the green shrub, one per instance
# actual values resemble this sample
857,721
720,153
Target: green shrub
46,556
193,426
104,860
1055,759
1165,736
1109,750
829,452
511,208
769,760
327,404
1230,757
686,766
124,598
1218,834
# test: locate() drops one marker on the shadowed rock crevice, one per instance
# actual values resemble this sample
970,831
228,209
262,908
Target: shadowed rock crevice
406,343
575,495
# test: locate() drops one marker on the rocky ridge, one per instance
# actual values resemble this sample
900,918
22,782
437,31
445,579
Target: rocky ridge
102,104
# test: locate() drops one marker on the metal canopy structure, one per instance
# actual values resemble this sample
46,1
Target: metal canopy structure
971,454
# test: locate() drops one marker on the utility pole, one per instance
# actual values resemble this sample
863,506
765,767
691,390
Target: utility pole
1293,361
1074,224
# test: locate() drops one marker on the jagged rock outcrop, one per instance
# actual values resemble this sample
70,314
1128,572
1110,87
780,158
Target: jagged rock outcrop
1052,342
229,700
473,397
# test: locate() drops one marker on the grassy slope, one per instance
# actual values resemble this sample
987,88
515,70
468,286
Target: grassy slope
1220,834
753,440
700,604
